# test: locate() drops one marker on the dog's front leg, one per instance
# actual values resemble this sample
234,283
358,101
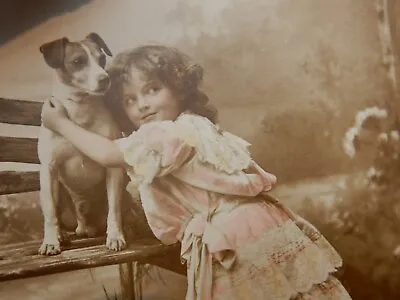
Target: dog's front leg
49,196
115,188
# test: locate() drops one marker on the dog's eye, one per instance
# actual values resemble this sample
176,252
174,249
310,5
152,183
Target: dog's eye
77,61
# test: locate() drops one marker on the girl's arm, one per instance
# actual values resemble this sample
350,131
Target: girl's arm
96,147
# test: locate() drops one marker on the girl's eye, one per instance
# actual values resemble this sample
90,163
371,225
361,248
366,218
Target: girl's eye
153,89
129,100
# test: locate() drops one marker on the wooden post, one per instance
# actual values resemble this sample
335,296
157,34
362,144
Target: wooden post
386,10
127,281
137,280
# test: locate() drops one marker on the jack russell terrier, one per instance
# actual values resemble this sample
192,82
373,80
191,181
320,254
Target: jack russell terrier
81,82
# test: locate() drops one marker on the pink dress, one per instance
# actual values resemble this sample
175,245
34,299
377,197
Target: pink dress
199,186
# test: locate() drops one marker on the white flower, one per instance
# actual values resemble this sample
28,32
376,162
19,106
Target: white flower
375,112
394,135
396,252
372,172
383,137
361,117
348,141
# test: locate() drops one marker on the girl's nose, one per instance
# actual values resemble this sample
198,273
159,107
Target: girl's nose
142,103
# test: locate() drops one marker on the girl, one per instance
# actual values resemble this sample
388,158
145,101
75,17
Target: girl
199,185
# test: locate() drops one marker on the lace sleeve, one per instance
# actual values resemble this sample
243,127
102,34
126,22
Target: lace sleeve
156,149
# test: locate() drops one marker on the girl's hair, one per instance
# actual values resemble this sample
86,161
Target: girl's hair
171,67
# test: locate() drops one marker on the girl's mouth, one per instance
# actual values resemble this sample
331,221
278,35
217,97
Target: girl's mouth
148,117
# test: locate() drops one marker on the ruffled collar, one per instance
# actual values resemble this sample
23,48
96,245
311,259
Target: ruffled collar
223,150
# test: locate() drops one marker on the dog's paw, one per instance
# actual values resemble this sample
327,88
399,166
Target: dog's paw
115,242
50,248
86,231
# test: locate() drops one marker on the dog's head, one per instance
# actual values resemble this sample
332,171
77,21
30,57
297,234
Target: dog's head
81,64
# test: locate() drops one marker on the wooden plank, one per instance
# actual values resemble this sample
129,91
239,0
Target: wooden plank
21,112
13,149
82,258
13,182
31,248
171,263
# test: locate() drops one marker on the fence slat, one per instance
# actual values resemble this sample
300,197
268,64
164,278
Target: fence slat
21,112
13,182
13,149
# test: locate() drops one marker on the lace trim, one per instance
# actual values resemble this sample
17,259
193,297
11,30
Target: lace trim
282,263
330,289
223,150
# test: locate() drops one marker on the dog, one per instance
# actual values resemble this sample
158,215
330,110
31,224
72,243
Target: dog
81,82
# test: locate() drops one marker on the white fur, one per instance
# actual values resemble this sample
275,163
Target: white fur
94,71
61,161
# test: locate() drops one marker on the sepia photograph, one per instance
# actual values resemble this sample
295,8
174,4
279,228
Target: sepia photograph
200,150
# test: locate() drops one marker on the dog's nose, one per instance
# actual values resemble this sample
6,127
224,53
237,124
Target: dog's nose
104,81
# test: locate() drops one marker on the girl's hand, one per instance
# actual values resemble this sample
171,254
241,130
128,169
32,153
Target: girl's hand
53,114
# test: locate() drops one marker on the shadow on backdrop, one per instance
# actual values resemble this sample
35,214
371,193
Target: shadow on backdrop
17,16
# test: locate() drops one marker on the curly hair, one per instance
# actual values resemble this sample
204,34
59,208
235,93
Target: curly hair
168,65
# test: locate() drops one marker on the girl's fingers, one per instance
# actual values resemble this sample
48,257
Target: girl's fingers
53,102
53,105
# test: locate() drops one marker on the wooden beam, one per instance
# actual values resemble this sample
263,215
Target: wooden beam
13,149
138,280
21,112
13,182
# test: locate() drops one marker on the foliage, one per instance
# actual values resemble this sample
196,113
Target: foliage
20,218
364,222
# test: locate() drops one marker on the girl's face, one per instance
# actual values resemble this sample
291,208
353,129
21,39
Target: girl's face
148,100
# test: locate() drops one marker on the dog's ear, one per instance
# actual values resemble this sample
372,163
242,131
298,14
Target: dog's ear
100,42
53,52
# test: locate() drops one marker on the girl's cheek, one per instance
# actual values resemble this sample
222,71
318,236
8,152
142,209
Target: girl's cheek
134,117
